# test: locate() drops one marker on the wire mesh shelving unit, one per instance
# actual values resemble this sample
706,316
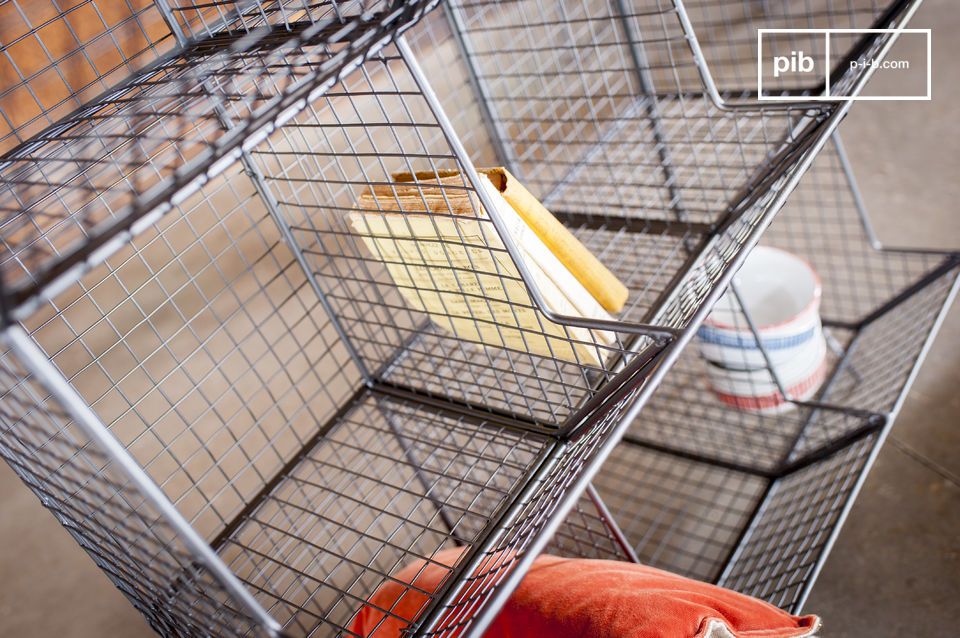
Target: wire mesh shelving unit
224,397
754,501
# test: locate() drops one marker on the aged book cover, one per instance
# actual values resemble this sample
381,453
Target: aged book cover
450,263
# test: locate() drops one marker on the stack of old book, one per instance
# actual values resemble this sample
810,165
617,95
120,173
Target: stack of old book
437,243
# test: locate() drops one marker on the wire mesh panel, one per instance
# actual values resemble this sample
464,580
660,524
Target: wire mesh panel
108,515
52,61
678,514
75,188
391,482
595,117
524,531
589,531
879,364
763,536
202,347
599,105
419,278
199,20
787,542
879,307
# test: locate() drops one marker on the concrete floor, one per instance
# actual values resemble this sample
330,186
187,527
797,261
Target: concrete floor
895,570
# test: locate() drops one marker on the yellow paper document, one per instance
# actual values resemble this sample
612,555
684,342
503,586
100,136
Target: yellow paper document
454,267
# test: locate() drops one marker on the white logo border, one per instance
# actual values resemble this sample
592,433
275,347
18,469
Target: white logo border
841,98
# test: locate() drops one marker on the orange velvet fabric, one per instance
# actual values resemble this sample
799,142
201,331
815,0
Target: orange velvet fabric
578,598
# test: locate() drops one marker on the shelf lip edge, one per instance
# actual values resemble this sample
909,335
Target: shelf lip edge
21,300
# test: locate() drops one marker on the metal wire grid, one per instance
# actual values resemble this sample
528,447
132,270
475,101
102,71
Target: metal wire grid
388,483
438,51
75,188
600,106
784,547
727,35
526,527
591,106
203,348
678,514
375,123
589,531
879,307
760,536
199,20
108,516
53,60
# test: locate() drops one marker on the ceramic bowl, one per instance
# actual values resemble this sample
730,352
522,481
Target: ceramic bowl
782,294
756,390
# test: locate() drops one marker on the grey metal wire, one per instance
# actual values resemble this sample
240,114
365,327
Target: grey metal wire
879,306
776,488
83,185
177,250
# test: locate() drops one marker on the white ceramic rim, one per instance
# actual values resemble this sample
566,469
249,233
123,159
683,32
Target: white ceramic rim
811,307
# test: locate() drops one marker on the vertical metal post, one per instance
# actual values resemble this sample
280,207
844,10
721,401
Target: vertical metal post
498,136
273,208
417,468
858,202
645,78
36,363
735,290
618,536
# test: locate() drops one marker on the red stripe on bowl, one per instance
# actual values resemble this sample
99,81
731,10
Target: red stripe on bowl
802,391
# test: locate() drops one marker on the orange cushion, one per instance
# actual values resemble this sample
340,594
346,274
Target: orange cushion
577,598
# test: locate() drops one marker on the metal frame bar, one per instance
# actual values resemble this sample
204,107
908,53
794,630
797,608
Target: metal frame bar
645,78
159,200
902,8
618,536
654,331
37,364
492,123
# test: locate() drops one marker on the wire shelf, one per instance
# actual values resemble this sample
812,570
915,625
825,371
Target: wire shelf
347,514
389,482
589,138
77,189
232,406
601,109
764,537
753,501
879,308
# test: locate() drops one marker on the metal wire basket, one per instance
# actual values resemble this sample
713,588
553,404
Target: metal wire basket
222,394
754,501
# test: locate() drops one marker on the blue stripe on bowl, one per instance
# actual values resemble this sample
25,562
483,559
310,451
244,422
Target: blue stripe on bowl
748,342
